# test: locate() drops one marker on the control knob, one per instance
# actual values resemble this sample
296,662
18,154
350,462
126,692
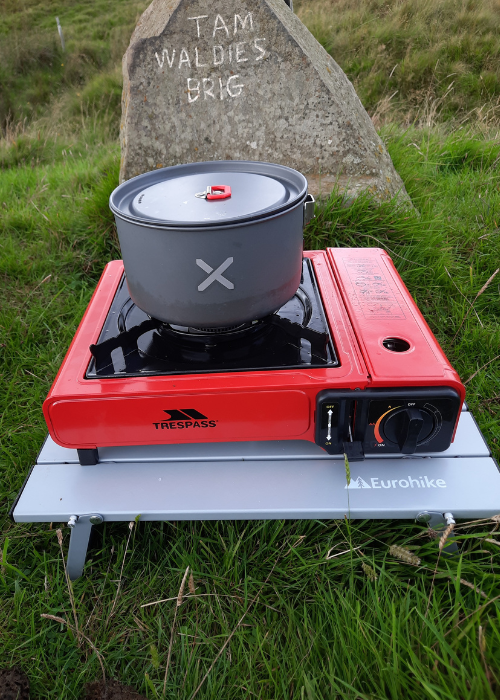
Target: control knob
409,427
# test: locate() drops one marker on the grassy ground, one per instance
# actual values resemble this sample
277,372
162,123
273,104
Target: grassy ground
34,71
415,62
363,624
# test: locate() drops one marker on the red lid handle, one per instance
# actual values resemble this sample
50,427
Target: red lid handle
218,192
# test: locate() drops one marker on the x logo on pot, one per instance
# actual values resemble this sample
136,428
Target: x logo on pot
214,274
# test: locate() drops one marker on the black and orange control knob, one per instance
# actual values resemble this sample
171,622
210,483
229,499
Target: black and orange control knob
412,424
408,427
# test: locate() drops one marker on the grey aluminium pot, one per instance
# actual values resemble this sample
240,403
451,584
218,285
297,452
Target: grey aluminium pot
231,268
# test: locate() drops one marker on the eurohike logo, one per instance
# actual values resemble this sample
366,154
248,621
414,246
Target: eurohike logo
185,418
358,483
423,482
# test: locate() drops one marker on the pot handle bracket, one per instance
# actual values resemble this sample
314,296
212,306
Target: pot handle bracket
309,204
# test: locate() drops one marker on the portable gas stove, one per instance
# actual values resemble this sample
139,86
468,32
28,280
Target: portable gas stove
349,363
173,422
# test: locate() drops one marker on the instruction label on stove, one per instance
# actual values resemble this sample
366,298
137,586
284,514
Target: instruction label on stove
372,291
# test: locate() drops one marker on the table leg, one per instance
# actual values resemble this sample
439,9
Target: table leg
439,522
80,525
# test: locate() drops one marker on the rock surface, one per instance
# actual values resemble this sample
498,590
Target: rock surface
245,79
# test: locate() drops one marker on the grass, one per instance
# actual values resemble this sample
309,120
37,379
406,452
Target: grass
415,61
320,628
34,71
362,624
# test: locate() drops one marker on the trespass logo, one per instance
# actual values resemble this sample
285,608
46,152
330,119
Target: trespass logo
422,482
184,418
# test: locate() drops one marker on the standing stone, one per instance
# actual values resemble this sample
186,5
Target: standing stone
245,80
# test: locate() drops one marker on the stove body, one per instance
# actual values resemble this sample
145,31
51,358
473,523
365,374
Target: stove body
349,363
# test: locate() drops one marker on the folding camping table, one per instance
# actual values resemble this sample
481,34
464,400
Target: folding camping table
256,480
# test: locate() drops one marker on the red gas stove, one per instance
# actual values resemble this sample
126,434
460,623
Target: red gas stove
348,363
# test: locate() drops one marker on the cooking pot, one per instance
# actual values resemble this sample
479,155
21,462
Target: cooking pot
213,244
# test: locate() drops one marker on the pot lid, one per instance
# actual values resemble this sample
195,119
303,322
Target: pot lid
208,194
193,199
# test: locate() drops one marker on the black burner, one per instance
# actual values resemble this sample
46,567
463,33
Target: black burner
133,344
